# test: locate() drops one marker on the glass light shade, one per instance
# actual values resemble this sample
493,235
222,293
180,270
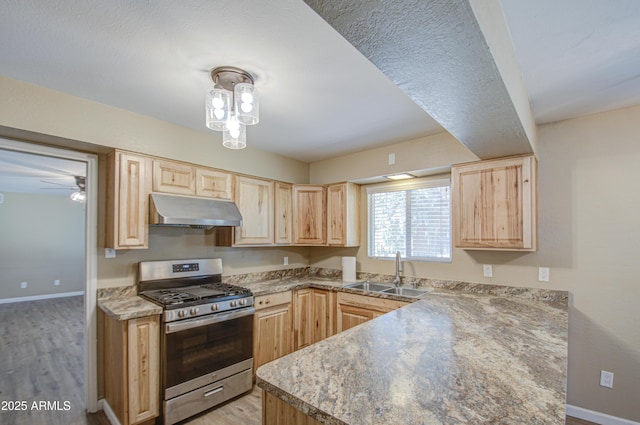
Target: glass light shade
78,196
218,108
235,136
247,107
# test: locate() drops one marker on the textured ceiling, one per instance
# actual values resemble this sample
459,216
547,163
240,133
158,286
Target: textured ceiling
320,96
440,57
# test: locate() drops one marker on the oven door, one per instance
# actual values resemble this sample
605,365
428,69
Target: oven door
203,350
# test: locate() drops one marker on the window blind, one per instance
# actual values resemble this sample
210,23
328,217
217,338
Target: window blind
413,218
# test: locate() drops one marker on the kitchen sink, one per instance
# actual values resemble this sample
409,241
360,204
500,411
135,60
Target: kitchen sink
369,286
405,292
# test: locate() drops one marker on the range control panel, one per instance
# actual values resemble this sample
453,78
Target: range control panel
186,267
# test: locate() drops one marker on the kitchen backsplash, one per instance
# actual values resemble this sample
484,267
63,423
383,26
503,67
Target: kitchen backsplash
552,296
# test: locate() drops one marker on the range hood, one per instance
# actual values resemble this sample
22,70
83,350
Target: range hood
175,210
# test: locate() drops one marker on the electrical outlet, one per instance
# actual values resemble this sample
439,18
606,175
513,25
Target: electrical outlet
487,269
109,253
286,261
606,379
1,198
23,285
56,282
543,274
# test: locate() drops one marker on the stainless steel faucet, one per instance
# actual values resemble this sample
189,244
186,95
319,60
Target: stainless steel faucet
396,279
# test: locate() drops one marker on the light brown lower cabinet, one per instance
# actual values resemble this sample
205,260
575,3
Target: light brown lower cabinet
313,316
352,309
277,412
272,335
131,355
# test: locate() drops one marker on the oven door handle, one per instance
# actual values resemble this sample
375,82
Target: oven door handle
214,318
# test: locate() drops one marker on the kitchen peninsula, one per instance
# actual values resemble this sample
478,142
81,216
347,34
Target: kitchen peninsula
448,358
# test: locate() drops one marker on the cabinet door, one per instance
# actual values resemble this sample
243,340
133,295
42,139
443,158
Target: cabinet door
278,412
144,368
343,214
353,309
254,198
322,309
131,367
213,184
303,319
350,316
283,213
494,204
272,333
128,177
313,316
174,177
309,214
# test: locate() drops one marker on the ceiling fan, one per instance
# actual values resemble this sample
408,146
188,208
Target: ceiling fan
79,189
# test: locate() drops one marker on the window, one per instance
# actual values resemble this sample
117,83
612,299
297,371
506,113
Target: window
413,217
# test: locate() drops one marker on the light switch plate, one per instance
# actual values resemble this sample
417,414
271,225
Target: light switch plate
392,158
109,253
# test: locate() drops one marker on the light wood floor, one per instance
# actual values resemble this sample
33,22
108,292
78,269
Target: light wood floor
41,359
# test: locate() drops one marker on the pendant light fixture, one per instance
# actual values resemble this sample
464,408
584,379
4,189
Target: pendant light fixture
231,105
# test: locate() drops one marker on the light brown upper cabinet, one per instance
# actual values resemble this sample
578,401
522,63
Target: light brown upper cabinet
128,187
494,204
174,177
309,219
343,214
254,198
283,213
214,184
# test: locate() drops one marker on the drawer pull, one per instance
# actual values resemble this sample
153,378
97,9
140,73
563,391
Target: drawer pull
214,391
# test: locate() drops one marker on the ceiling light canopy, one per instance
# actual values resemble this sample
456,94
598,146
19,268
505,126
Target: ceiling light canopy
231,105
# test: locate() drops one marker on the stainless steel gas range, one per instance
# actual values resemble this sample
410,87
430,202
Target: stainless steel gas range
207,338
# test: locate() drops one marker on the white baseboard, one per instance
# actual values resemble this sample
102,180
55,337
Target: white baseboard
40,297
109,412
597,417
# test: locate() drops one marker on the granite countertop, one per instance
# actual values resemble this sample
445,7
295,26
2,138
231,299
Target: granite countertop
128,307
448,358
124,304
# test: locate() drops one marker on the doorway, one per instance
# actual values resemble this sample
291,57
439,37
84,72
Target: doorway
82,300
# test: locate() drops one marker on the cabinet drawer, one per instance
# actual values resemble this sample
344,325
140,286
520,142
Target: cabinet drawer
270,300
382,305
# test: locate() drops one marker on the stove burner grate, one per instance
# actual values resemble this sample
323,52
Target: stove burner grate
226,288
171,297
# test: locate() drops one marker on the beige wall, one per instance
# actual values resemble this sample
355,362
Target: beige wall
588,236
33,109
41,240
33,113
427,155
588,206
166,243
